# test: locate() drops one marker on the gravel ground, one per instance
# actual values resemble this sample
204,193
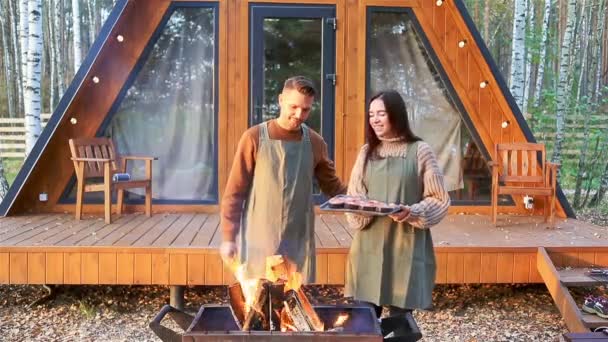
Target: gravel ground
121,313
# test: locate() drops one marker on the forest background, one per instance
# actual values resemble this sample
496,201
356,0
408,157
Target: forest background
552,53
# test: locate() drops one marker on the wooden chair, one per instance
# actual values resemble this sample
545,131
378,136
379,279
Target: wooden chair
96,157
522,173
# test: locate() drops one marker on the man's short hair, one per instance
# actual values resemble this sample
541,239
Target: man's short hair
302,84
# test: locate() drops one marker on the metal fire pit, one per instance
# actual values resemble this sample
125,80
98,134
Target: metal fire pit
217,323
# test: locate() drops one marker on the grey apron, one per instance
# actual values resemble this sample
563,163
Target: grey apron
392,263
279,216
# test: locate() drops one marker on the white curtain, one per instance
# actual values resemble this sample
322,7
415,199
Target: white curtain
169,111
398,61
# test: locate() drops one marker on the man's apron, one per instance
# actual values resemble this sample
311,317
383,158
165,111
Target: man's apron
392,263
279,216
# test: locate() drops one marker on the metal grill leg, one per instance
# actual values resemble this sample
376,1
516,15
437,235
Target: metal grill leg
176,297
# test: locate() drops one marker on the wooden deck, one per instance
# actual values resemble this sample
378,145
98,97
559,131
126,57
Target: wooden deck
181,249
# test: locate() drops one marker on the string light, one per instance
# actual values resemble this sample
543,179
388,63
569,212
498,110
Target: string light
505,123
73,121
95,79
462,43
120,38
439,2
484,84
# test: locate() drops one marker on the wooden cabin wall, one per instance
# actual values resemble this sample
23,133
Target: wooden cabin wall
443,27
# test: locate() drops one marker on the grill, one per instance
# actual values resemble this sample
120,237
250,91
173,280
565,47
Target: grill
219,323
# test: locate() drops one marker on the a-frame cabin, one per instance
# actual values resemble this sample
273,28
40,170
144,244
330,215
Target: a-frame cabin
181,80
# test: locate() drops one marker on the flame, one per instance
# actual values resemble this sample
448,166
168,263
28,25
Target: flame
287,326
341,319
248,285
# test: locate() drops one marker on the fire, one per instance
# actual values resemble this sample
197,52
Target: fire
248,286
341,319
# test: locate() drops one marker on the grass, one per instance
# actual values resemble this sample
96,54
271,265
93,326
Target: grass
11,168
87,310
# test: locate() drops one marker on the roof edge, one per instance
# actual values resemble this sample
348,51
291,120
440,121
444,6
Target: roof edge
67,98
502,84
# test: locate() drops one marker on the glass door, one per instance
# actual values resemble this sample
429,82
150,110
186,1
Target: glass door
290,40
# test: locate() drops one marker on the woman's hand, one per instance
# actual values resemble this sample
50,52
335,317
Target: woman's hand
401,215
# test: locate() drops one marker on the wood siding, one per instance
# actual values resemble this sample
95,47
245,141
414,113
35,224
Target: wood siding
443,26
182,249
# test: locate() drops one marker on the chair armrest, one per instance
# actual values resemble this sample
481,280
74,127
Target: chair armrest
103,160
139,158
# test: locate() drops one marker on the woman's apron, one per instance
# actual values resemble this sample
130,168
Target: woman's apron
392,263
279,216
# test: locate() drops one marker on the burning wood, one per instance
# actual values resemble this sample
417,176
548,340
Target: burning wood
258,317
274,303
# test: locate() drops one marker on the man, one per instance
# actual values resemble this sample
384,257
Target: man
268,197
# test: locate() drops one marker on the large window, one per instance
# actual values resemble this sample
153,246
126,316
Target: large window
398,59
168,109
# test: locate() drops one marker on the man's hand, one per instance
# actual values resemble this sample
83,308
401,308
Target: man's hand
228,250
401,215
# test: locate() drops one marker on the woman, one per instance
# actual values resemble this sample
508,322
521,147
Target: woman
391,260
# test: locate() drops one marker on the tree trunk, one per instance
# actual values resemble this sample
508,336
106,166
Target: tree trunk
601,24
486,22
528,62
518,51
8,66
58,20
16,59
543,54
23,40
562,88
51,63
581,103
3,183
76,34
601,191
32,94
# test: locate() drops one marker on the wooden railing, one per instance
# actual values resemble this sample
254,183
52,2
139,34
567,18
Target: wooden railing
12,136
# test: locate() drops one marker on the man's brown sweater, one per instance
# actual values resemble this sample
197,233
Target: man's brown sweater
241,174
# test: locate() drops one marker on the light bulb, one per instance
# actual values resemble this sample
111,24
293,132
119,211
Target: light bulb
439,2
120,38
73,121
483,84
95,79
462,43
505,124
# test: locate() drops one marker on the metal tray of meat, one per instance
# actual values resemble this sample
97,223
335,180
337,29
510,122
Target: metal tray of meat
327,208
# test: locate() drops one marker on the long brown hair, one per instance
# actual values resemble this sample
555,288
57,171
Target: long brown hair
397,116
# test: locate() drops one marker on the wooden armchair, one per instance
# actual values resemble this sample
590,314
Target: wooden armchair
518,168
95,158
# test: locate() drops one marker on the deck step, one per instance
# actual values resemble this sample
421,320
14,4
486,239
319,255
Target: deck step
594,321
576,277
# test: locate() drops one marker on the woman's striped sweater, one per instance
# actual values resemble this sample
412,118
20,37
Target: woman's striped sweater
435,199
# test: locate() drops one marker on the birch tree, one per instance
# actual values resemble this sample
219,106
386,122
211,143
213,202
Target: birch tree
15,60
581,103
528,61
33,76
23,43
8,65
518,50
3,183
542,53
76,34
51,63
563,90
58,20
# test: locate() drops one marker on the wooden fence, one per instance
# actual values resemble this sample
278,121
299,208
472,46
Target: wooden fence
12,136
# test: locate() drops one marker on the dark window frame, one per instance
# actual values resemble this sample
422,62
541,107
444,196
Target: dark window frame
445,79
143,58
